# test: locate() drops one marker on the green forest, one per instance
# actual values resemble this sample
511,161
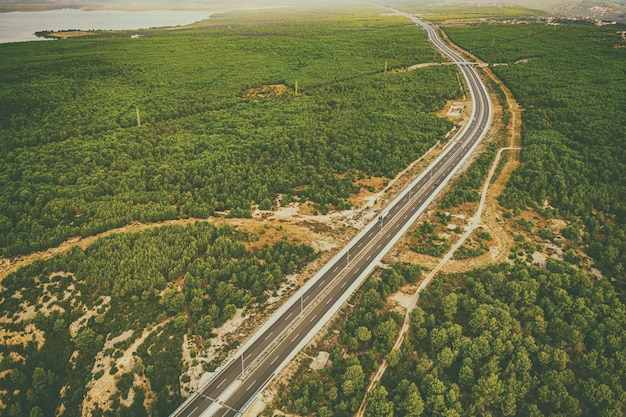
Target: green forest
499,341
219,119
510,340
96,133
184,280
573,91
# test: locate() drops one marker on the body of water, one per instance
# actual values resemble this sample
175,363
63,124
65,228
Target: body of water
21,26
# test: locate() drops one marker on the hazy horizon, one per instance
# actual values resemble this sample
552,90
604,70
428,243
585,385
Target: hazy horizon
592,8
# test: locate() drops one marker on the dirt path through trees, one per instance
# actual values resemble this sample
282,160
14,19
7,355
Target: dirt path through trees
487,213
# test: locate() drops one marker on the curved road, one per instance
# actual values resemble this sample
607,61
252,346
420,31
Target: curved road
235,386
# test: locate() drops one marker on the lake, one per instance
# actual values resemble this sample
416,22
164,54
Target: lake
21,26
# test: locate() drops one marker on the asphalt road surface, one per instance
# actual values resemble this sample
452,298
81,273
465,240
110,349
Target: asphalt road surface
234,387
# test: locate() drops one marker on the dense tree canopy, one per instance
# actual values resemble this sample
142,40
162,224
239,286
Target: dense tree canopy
515,341
214,134
573,90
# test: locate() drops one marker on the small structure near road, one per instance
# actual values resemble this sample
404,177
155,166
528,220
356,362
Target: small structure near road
456,109
320,361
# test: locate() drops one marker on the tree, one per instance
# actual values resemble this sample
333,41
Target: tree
353,380
372,298
42,380
36,412
488,391
172,300
409,401
416,318
196,306
363,334
393,358
15,410
386,332
466,376
446,357
86,340
377,404
449,305
205,326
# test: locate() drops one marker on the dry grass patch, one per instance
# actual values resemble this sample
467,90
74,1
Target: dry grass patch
265,91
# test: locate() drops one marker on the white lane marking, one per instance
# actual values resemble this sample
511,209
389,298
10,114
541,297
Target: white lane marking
288,315
344,284
295,337
251,385
335,269
275,359
313,318
192,411
271,333
369,257
223,380
305,298
329,300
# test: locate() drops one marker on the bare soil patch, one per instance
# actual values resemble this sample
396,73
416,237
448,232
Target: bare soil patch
265,91
30,334
102,389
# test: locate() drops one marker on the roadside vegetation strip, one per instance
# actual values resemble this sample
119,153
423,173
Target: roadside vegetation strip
474,223
570,166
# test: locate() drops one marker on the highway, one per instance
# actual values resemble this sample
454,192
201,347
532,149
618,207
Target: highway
237,383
